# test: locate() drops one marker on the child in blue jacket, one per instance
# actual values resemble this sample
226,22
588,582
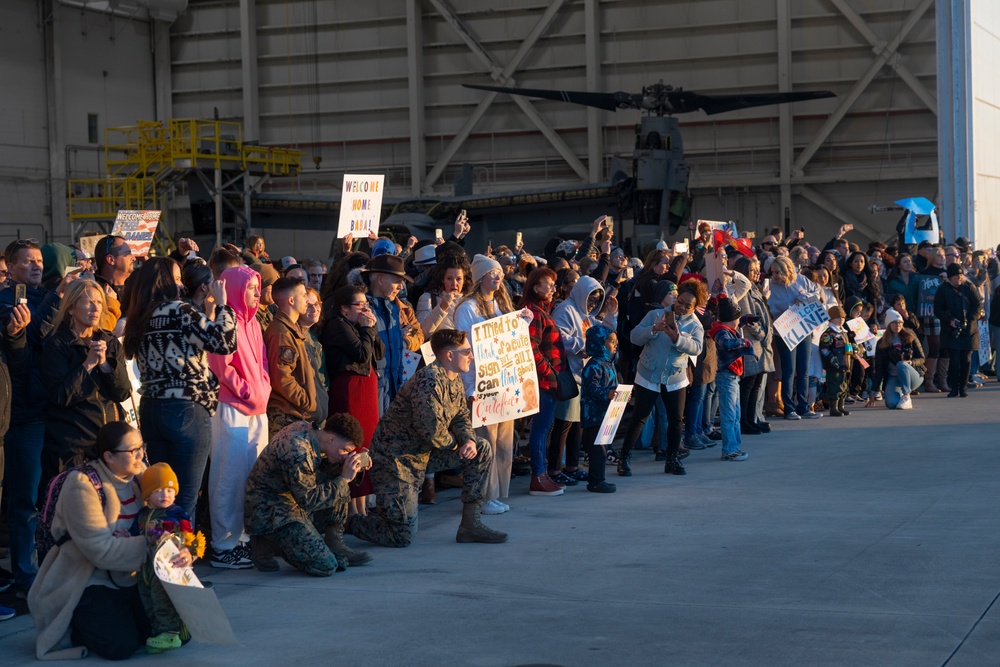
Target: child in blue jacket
599,383
730,347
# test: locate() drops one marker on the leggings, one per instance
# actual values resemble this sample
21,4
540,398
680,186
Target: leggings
565,435
644,401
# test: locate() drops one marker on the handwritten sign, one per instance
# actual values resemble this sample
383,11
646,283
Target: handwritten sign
927,287
796,323
360,205
613,417
428,353
411,360
505,377
984,341
138,229
88,244
130,406
860,329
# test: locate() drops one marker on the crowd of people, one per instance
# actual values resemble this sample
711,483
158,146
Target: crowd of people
279,409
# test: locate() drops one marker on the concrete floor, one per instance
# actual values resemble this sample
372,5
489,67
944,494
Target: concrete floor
866,540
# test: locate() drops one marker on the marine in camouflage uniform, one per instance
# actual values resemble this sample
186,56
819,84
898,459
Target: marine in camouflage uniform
420,433
295,497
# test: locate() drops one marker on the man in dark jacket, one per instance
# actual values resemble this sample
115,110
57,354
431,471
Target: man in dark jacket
958,305
23,444
13,358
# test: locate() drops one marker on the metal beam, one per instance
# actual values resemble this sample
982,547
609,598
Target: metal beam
877,45
785,134
248,56
163,93
54,98
840,214
813,177
846,103
592,45
415,77
503,77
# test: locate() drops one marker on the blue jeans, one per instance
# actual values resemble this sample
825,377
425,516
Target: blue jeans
178,432
22,474
906,380
727,388
794,379
541,424
695,410
657,424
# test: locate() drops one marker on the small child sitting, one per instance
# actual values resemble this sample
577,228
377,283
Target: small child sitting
837,349
161,517
599,383
730,347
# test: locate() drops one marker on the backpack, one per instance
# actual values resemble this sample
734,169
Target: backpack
44,540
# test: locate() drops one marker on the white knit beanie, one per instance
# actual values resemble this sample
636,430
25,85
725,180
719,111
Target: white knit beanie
891,316
481,265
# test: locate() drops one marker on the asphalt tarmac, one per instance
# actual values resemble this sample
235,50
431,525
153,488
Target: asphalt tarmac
865,540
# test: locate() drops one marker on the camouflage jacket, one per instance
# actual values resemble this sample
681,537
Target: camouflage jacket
429,412
290,481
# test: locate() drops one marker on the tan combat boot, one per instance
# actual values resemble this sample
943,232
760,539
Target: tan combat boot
472,529
334,539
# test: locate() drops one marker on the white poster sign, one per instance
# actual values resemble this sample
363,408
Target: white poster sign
138,229
360,205
505,377
613,417
984,341
428,353
796,323
411,360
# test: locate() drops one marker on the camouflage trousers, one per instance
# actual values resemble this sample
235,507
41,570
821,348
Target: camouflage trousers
162,615
277,420
397,480
302,544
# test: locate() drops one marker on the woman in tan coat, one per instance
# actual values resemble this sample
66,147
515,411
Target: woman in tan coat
84,597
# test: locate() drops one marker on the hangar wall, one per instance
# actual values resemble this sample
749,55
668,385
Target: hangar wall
376,86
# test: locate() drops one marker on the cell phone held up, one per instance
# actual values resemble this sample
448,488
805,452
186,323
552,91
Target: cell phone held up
21,294
669,319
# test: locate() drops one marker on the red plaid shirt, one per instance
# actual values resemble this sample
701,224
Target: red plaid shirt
547,345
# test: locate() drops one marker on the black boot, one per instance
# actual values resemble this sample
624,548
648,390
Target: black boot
624,470
840,406
472,529
262,552
674,467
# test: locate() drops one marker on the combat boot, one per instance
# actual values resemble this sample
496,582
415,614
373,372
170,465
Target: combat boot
624,469
472,529
334,539
262,553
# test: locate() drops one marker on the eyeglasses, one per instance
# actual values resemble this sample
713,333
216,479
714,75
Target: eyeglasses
140,450
767,243
496,275
360,304
467,351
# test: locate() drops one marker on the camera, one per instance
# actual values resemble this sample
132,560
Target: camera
364,458
958,327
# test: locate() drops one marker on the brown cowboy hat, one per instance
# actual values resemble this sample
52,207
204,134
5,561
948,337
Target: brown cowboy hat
390,264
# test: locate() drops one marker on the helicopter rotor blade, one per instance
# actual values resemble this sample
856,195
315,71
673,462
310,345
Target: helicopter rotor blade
607,101
713,104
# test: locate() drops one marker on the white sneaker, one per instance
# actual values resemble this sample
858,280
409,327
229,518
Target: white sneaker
793,416
878,396
905,403
493,507
505,506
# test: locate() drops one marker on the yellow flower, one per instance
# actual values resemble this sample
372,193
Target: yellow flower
199,545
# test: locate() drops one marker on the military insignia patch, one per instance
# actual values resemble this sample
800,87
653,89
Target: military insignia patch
287,355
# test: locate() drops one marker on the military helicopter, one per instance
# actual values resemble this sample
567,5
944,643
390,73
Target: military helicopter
657,192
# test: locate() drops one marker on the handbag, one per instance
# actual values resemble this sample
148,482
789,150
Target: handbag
566,387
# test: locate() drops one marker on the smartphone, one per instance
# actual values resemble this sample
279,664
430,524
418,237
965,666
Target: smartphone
669,318
750,235
518,241
21,294
438,234
462,214
629,273
849,227
489,246
364,458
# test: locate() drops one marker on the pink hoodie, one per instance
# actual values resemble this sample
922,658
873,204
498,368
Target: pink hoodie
244,382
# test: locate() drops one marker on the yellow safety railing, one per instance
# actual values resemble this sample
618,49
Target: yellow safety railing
102,198
138,157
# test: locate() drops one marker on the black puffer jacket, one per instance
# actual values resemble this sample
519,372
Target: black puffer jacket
80,403
964,305
28,392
